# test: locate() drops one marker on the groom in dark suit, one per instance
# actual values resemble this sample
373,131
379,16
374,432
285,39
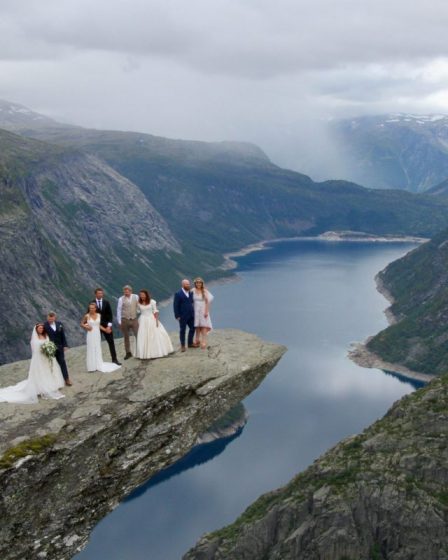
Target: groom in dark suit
104,308
184,313
56,333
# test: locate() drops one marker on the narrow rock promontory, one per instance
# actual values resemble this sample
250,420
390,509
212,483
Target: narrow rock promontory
380,495
65,464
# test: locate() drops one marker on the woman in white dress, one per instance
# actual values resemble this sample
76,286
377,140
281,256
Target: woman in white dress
44,375
152,339
202,299
91,323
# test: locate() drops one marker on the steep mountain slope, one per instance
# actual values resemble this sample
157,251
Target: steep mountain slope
418,284
67,223
115,207
220,196
380,495
394,151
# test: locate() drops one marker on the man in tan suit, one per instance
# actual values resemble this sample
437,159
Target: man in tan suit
127,317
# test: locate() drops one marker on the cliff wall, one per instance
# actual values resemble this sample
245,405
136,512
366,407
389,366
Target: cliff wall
381,495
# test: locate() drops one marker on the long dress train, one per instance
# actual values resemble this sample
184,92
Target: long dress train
94,352
44,378
152,339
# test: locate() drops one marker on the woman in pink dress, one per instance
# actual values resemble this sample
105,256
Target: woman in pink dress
202,299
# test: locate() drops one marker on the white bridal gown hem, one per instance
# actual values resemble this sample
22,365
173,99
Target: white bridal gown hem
44,378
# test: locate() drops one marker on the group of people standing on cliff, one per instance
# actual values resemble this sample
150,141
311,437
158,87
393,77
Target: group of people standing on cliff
136,314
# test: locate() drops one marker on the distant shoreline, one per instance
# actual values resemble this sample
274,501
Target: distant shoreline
363,357
333,236
359,352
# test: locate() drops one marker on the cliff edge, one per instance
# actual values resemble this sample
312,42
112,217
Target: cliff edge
381,495
65,464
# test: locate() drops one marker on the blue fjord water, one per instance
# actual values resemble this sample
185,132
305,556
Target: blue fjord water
315,297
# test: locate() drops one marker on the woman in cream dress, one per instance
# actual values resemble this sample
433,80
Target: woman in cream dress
152,339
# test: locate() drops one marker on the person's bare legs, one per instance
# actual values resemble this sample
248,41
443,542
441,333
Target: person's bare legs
203,337
197,337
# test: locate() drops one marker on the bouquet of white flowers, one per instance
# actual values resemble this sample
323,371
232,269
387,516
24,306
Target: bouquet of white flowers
49,349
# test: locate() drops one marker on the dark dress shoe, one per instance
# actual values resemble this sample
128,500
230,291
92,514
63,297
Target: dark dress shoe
128,355
116,362
182,349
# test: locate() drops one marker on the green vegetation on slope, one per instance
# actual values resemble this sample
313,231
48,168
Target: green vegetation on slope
219,197
419,285
363,498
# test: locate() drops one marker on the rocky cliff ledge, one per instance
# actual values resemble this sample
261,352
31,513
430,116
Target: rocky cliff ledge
65,464
381,495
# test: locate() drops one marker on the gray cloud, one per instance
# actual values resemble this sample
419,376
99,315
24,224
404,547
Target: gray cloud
253,38
224,69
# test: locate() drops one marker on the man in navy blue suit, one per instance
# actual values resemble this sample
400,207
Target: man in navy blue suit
56,333
184,313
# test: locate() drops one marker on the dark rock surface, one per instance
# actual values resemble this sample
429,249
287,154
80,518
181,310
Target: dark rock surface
65,464
381,495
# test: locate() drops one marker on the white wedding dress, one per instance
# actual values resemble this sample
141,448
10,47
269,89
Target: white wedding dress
44,378
152,339
94,352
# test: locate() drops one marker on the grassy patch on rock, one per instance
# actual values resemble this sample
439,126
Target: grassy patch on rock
24,448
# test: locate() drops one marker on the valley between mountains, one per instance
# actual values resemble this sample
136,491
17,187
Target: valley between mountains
82,208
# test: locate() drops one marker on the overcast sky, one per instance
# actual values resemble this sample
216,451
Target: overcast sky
254,70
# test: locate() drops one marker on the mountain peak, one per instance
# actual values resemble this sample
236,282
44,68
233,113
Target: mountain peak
393,119
14,116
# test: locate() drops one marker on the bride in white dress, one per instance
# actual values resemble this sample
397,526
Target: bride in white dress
152,339
44,376
91,324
